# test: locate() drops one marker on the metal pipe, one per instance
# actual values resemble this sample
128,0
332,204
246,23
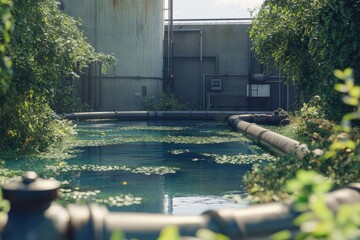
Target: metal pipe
97,88
35,215
95,24
187,30
170,38
226,75
208,19
287,96
203,92
155,115
201,62
171,28
132,77
275,142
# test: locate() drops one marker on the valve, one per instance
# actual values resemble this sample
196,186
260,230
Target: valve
33,213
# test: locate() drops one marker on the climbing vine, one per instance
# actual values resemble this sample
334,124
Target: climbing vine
307,40
46,48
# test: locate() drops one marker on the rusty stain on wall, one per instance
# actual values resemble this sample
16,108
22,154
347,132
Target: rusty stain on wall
141,7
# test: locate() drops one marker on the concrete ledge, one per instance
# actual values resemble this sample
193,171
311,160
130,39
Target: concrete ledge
275,142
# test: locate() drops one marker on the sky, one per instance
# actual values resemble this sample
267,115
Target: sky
214,8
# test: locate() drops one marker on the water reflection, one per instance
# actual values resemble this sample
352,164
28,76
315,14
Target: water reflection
199,185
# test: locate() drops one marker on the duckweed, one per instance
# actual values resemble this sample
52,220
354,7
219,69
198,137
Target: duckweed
64,167
76,196
160,139
237,198
155,170
179,151
240,158
133,128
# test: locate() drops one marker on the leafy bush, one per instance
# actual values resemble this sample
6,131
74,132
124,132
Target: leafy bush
168,102
317,221
67,101
46,47
6,26
335,152
298,120
32,126
307,40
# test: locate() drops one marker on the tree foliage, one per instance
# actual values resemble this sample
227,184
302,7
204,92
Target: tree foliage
307,40
46,48
6,26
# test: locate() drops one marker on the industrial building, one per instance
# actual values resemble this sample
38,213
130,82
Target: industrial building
208,62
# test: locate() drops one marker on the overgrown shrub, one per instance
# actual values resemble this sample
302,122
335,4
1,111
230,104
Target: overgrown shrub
317,220
67,101
335,152
46,47
299,119
32,126
168,102
307,40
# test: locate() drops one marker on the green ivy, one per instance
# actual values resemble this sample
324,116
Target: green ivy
46,48
6,27
307,40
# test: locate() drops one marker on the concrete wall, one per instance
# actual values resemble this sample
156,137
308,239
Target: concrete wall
131,30
203,52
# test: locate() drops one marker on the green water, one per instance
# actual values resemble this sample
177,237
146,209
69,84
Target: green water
182,167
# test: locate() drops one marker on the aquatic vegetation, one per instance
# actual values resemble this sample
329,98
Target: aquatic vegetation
179,151
198,140
7,175
153,128
63,167
68,195
237,198
155,170
241,158
117,139
118,135
177,144
131,128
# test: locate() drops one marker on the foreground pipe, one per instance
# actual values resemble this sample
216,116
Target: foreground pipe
35,215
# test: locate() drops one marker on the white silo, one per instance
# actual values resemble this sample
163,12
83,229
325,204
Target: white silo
133,31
